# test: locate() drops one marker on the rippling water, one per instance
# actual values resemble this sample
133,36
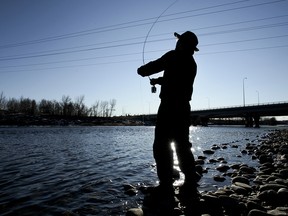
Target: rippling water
81,170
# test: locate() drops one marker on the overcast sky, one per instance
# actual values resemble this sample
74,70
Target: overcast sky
93,48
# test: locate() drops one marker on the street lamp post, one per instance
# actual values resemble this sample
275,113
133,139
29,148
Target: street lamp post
244,91
258,96
208,102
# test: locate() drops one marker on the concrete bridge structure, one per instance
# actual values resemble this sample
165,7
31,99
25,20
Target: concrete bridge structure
251,113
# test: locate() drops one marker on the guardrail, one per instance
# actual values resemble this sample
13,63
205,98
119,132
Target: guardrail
239,106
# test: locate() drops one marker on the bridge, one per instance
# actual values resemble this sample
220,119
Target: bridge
251,113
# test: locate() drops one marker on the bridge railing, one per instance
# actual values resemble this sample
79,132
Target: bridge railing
238,106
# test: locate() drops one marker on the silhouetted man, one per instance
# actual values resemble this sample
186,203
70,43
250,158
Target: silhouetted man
173,118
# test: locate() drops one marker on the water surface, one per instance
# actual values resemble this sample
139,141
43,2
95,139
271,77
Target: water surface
81,170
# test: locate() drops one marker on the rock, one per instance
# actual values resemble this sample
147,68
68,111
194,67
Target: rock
131,192
240,179
201,157
269,196
283,195
135,212
284,173
208,151
243,185
274,187
279,211
128,186
235,166
256,212
246,169
213,160
231,205
199,161
215,147
130,189
253,205
239,190
265,158
222,168
219,178
211,205
244,151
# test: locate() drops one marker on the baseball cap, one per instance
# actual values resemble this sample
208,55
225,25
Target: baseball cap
189,38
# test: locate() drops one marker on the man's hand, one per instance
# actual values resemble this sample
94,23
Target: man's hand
158,81
153,81
141,72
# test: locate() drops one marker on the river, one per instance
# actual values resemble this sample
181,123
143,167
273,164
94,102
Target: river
82,170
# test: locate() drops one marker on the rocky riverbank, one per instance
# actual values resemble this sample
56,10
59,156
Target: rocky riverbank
254,191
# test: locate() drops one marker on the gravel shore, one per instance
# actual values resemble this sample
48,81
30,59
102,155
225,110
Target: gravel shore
261,190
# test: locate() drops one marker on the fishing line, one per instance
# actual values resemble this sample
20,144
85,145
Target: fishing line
153,88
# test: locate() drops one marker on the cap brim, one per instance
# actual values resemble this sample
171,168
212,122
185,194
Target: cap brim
196,49
177,35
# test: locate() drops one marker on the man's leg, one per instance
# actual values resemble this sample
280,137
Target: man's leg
163,156
186,162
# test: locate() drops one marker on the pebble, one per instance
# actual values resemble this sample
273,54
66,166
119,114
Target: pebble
254,191
135,212
208,151
222,168
219,178
240,179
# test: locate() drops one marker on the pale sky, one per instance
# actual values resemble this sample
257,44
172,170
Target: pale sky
93,48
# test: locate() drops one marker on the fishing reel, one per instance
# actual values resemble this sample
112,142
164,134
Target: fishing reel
153,89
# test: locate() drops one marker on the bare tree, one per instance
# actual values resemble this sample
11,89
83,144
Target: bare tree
104,108
80,107
112,106
95,109
3,101
66,105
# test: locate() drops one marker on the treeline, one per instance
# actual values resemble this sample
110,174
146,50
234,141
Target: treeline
65,107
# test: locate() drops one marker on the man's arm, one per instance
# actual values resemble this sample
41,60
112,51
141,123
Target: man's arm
151,68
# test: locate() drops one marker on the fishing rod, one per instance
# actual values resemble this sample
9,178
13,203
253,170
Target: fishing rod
153,88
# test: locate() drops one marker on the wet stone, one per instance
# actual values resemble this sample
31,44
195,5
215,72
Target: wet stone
256,212
199,161
219,178
243,185
208,151
246,169
269,196
240,179
235,166
284,173
222,168
274,187
279,211
253,205
283,194
239,190
135,212
213,160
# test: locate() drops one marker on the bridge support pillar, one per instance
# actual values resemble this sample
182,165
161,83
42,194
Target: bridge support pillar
256,121
251,121
248,121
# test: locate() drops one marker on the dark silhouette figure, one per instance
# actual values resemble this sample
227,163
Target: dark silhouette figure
173,118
